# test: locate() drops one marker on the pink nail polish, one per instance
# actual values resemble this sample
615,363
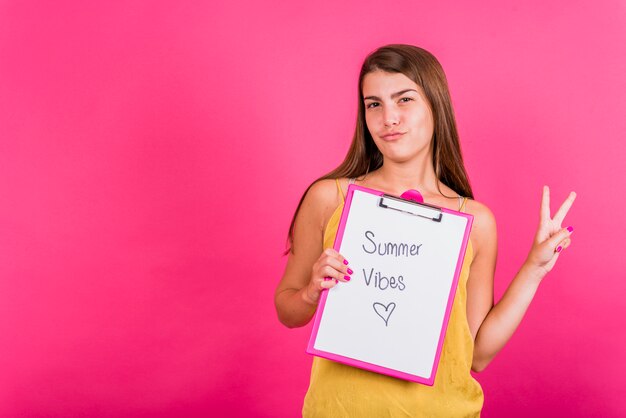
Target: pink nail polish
347,278
345,262
570,229
558,249
350,271
336,281
327,279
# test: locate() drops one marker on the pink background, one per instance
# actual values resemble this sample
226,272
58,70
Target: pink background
152,154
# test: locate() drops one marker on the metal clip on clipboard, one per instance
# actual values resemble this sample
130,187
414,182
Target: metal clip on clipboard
422,210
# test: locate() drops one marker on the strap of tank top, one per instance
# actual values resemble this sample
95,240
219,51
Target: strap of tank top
343,198
462,204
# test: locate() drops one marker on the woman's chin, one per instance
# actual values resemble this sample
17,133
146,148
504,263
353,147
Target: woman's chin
401,157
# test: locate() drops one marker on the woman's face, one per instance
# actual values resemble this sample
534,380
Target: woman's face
398,116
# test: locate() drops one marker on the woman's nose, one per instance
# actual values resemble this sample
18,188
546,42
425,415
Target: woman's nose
390,117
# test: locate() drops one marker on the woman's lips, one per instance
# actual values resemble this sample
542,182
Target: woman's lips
392,135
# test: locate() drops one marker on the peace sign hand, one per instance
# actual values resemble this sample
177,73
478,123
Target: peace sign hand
551,238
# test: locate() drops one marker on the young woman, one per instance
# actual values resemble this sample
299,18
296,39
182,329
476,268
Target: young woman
406,138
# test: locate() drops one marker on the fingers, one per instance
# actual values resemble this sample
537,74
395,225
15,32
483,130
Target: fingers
331,267
560,240
544,254
563,245
545,205
328,284
331,253
334,266
565,207
335,273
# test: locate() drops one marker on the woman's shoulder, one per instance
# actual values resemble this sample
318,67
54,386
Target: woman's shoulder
323,197
325,191
477,208
484,226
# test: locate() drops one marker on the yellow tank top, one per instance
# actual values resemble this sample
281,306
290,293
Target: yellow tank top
337,390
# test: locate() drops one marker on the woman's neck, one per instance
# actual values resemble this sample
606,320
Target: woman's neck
396,178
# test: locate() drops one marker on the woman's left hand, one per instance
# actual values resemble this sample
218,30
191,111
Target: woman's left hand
551,238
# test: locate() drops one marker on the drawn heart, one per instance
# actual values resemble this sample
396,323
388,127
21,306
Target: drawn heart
384,311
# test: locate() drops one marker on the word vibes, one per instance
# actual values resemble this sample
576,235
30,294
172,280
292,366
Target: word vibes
379,281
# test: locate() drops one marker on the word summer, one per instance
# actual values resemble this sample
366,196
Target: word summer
389,248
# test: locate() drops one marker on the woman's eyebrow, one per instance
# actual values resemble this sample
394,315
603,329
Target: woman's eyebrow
393,96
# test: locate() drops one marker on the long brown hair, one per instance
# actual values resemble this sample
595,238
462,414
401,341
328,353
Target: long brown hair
363,156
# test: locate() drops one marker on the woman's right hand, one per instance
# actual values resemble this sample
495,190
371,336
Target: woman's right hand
329,269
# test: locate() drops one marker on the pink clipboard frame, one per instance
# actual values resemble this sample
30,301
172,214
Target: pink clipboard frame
430,380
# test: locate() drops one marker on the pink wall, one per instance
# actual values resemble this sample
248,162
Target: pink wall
152,154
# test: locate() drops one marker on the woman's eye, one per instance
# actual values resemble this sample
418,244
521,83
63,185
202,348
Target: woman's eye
371,105
405,99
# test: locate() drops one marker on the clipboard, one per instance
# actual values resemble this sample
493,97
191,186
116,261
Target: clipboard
391,318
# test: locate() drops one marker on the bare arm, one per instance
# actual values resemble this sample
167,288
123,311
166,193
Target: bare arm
299,290
492,326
